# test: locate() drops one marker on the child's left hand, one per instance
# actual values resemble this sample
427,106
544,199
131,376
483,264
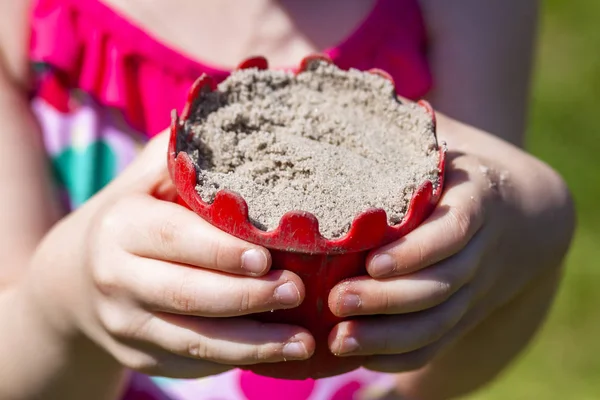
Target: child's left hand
504,219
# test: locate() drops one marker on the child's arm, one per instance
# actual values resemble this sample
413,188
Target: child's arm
34,363
28,204
481,54
466,291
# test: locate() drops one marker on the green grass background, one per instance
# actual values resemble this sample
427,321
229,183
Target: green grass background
564,360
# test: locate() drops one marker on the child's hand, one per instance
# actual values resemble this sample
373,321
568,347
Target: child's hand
504,220
159,288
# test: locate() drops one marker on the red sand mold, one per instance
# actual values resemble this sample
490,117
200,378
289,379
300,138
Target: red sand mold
318,165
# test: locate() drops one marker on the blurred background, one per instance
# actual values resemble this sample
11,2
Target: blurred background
564,360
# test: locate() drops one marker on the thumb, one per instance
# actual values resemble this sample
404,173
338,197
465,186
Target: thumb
148,173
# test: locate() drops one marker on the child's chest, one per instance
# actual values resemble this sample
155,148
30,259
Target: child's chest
222,32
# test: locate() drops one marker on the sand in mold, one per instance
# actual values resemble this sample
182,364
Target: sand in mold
328,141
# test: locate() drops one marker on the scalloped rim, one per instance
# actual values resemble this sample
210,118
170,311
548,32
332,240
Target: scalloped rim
298,231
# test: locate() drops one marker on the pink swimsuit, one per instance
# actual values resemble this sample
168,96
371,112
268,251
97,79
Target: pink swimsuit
104,86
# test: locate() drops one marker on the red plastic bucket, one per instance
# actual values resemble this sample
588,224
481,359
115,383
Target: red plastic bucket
296,244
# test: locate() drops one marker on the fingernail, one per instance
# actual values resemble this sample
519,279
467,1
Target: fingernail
382,265
287,294
295,350
348,345
349,304
254,261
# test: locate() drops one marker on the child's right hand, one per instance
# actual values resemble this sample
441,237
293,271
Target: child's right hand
157,287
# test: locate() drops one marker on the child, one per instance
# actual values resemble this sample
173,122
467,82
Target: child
105,282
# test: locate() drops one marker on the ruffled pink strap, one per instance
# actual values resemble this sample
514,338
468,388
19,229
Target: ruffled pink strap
92,48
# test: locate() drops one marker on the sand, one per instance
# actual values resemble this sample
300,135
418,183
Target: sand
327,141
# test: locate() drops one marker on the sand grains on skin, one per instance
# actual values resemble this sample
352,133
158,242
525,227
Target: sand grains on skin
327,141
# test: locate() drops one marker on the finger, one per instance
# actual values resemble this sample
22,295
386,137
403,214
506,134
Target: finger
231,341
398,333
416,359
125,335
405,362
154,361
169,365
180,289
458,216
403,294
166,231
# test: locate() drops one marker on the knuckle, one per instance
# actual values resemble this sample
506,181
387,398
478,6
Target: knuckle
122,324
113,223
477,213
110,223
198,349
461,223
245,299
141,362
264,353
106,278
387,299
219,255
114,220
421,252
182,298
114,321
166,233
442,290
417,255
140,327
